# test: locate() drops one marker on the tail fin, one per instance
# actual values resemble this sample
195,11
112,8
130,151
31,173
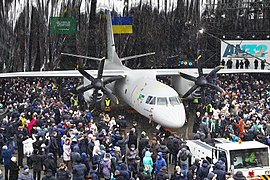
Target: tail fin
111,53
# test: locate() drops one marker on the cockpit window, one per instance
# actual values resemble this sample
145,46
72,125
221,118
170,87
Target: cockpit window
150,100
174,101
162,101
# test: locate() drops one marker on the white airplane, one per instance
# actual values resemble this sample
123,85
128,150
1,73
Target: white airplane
138,88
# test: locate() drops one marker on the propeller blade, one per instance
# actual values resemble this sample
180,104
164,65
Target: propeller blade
85,88
86,75
200,71
111,79
214,71
215,87
109,93
94,99
203,96
188,77
190,91
101,67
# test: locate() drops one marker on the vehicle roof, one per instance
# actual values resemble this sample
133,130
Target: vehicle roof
242,145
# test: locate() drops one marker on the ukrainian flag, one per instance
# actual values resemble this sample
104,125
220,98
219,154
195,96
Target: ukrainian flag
122,25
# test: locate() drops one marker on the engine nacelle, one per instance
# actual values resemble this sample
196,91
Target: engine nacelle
182,85
88,95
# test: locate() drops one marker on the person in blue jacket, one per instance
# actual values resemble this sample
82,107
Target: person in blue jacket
160,162
7,155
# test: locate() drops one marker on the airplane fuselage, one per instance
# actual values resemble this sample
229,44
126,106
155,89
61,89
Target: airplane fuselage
151,98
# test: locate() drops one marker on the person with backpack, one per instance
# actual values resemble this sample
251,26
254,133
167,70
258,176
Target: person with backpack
183,156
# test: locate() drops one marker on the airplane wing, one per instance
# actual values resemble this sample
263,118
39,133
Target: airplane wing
67,73
192,71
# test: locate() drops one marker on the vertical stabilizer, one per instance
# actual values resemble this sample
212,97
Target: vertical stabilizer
111,53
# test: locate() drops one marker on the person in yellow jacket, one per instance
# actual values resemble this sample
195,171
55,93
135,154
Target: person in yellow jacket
22,119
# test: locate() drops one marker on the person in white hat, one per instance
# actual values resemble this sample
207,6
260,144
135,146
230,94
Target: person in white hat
14,169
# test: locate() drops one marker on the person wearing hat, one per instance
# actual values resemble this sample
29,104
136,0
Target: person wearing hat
25,175
14,169
239,176
85,161
7,154
143,142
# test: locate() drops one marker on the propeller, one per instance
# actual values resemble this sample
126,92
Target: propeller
98,83
202,81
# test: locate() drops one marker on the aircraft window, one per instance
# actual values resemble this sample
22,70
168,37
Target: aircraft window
153,101
150,100
174,100
162,101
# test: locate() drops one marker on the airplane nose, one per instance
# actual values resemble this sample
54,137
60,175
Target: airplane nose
171,117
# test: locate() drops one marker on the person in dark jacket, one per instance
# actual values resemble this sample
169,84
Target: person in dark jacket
239,176
203,170
36,160
93,173
177,174
75,154
162,174
50,164
132,139
122,144
49,175
63,172
14,169
131,160
165,151
85,161
26,175
143,142
124,171
7,154
117,176
79,170
221,174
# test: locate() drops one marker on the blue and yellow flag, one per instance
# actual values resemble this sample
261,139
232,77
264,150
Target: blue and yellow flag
122,25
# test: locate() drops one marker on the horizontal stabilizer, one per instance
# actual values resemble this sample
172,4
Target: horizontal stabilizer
137,56
80,56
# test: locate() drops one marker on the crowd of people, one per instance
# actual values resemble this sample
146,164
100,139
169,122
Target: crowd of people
244,63
55,135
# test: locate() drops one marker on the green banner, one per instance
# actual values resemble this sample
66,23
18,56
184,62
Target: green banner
63,25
